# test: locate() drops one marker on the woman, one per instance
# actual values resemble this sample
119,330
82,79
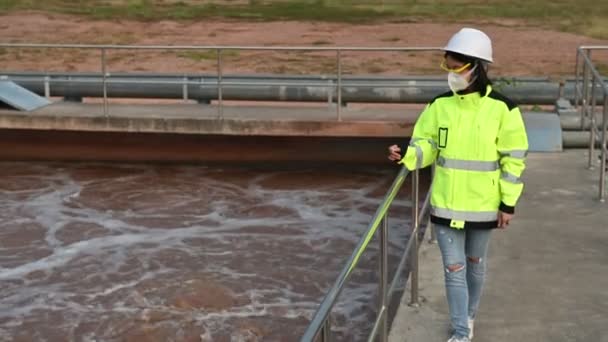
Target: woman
477,140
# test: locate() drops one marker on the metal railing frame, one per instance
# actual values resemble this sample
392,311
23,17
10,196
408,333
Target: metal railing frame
320,326
219,63
585,98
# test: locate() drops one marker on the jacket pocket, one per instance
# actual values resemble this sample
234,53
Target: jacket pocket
443,137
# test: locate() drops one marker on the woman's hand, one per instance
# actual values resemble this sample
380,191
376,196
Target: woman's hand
504,219
394,153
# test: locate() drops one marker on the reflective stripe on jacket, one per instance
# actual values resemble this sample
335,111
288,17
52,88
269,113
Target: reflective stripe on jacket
479,145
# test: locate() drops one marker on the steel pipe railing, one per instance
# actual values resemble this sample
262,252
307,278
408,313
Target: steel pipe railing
219,49
586,100
319,328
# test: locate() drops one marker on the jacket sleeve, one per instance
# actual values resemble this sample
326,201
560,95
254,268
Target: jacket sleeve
422,150
512,147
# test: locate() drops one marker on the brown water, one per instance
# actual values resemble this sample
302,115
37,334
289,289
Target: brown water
121,252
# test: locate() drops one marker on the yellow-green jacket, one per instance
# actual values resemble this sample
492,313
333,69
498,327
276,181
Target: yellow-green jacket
479,145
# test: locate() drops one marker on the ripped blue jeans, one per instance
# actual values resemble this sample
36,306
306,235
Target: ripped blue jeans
464,263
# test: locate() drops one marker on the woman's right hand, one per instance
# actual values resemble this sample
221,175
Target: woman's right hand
394,153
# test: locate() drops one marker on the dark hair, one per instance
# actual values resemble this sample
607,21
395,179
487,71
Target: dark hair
481,76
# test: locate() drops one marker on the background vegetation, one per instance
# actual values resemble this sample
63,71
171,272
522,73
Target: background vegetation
589,17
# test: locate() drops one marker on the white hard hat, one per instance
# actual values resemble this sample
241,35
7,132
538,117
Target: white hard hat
471,42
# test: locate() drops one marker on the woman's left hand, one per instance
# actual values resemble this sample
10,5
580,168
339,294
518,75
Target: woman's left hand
504,219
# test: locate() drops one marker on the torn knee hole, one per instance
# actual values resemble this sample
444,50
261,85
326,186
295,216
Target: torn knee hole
454,268
474,260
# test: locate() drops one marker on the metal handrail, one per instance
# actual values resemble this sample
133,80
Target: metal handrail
215,47
587,100
320,325
218,49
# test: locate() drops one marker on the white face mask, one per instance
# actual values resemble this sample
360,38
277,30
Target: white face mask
458,82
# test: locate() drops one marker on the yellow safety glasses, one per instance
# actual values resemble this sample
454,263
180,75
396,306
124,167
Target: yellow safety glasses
444,66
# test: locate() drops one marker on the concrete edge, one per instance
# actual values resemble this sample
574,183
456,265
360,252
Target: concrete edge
211,126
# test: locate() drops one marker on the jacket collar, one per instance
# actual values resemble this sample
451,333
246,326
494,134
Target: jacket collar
472,99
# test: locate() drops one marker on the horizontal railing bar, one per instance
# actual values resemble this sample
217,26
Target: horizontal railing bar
594,47
210,83
217,47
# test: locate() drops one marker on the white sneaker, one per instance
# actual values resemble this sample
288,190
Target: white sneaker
459,339
471,324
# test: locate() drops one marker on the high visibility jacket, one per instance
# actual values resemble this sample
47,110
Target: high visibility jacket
478,143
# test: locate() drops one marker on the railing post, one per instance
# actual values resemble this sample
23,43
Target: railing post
603,155
185,88
414,235
433,235
383,288
339,84
220,109
326,331
592,127
47,86
104,80
330,94
585,95
576,79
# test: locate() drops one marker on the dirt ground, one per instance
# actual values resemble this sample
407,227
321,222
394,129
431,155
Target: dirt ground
519,49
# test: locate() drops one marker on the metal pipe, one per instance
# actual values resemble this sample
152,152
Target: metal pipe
105,88
585,93
215,47
377,326
433,235
593,128
220,93
383,290
339,85
414,256
185,88
406,252
425,205
576,78
354,89
47,87
595,73
326,332
594,47
604,155
328,302
400,267
329,94
576,139
573,123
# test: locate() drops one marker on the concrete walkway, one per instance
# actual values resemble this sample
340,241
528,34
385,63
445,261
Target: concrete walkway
547,274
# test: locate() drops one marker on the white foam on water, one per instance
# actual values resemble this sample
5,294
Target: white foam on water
122,241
